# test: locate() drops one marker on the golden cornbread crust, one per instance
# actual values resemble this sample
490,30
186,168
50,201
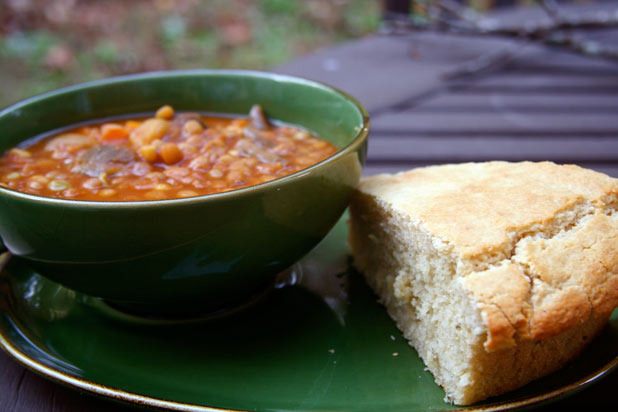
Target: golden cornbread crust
528,252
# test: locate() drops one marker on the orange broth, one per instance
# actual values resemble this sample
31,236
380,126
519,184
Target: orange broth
166,156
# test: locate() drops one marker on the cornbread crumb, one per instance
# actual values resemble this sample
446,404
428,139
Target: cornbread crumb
497,273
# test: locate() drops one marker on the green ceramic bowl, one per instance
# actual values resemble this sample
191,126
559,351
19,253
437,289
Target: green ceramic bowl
184,255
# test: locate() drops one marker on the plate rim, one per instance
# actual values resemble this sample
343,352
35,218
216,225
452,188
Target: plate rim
95,388
137,399
15,351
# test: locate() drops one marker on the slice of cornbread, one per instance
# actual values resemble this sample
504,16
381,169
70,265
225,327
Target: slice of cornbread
497,273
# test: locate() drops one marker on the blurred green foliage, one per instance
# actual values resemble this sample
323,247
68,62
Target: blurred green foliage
49,44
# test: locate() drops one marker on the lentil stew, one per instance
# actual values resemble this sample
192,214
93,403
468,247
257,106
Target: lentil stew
167,156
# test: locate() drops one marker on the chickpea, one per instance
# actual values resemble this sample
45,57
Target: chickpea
12,176
162,186
304,161
194,140
148,153
71,192
238,164
141,168
107,192
199,184
170,153
216,173
319,144
34,185
234,177
92,183
200,163
45,163
20,153
192,127
301,135
176,172
155,195
155,176
165,112
226,158
187,148
186,193
147,132
40,179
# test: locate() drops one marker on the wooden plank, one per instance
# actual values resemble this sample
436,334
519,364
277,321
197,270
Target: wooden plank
559,58
559,64
501,123
520,103
559,61
349,68
604,35
527,80
384,71
532,89
543,59
532,13
384,148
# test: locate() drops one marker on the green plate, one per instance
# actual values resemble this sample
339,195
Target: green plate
323,344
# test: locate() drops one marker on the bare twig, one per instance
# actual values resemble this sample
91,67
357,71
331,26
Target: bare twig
551,8
447,16
458,10
484,63
583,46
560,21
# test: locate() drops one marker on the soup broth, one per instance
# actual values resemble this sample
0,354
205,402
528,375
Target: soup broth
167,156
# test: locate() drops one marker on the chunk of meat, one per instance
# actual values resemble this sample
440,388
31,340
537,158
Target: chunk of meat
259,137
104,159
247,148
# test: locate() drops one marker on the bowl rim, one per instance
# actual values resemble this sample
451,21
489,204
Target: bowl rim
359,138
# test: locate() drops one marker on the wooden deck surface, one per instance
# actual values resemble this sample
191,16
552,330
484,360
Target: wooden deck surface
543,104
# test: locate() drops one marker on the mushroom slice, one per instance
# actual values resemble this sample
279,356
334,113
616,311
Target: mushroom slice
258,119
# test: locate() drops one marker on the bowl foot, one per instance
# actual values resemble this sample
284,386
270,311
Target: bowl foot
185,313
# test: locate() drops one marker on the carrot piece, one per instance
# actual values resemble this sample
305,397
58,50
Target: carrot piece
132,124
113,131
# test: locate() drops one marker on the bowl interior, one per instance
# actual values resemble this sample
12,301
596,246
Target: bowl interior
321,109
